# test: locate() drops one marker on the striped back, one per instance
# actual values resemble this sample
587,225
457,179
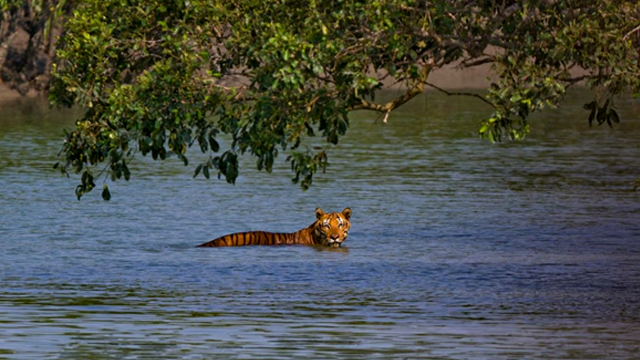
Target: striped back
250,238
329,229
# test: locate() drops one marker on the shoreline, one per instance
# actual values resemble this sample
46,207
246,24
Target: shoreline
8,95
448,78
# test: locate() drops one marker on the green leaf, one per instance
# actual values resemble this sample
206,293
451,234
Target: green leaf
198,169
614,116
215,147
602,116
80,190
184,159
125,170
106,194
592,115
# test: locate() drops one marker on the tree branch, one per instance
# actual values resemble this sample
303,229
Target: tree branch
476,62
417,88
636,29
391,105
459,93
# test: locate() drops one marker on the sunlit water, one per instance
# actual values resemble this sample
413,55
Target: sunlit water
459,249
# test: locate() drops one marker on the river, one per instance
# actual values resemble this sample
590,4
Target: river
459,248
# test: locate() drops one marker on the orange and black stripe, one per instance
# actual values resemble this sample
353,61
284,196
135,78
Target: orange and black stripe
251,238
330,229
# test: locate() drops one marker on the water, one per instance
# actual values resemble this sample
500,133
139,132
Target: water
459,249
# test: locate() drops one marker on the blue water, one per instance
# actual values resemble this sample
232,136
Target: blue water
459,249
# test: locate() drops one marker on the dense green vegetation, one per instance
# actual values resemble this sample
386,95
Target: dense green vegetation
160,76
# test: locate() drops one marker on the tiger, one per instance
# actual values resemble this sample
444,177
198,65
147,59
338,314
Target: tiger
330,229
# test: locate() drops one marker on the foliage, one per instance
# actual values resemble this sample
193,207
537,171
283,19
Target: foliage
160,76
543,44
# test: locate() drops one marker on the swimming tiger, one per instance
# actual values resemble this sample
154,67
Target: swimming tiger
329,229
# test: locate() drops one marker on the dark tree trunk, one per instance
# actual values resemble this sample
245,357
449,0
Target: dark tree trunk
27,44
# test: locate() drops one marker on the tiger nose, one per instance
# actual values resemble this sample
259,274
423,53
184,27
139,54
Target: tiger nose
335,236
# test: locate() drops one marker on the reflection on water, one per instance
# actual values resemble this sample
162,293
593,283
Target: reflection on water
459,249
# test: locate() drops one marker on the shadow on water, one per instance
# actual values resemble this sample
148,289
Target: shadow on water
343,249
459,249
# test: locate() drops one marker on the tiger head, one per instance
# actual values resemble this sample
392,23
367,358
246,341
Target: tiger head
331,229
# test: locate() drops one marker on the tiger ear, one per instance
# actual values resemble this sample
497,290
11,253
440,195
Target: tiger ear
347,213
319,213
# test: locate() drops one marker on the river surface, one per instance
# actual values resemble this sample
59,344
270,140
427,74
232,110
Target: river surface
459,248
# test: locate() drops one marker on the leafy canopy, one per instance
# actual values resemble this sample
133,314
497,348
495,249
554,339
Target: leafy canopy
160,76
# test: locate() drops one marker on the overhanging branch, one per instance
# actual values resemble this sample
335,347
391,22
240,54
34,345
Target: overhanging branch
417,88
391,105
459,93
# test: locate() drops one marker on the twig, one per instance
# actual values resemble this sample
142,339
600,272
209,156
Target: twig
417,88
637,28
477,62
386,116
365,105
459,93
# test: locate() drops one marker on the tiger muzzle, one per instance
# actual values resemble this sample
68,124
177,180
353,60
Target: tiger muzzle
334,241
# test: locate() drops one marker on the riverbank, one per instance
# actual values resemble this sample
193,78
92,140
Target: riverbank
9,95
448,78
